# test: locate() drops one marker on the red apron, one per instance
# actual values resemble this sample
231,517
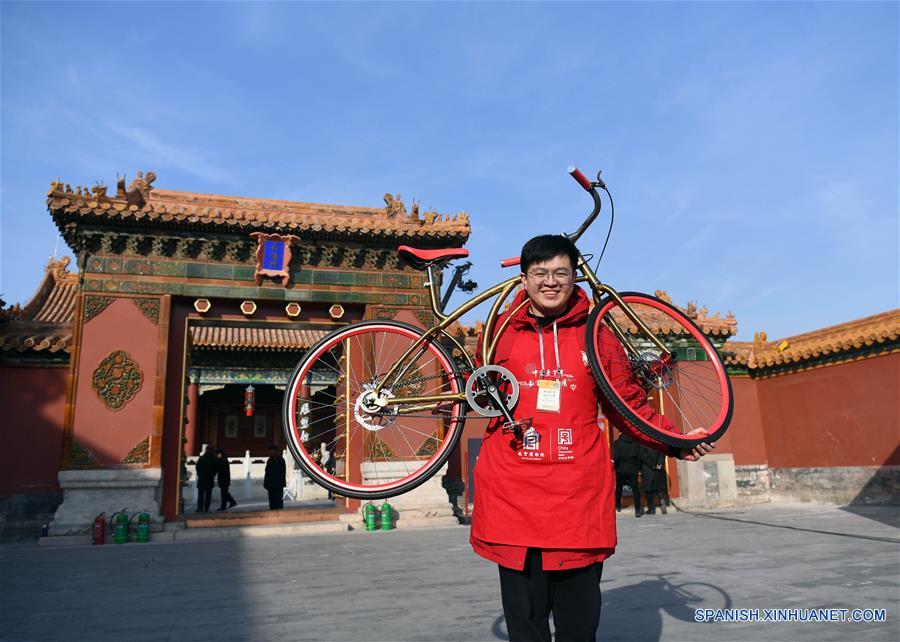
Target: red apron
553,488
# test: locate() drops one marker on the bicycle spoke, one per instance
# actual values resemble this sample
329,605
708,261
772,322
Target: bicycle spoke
690,394
351,363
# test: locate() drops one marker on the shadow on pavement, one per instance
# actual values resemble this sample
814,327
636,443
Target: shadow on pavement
881,514
887,515
635,613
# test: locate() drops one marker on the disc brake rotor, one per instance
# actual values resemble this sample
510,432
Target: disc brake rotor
477,395
373,421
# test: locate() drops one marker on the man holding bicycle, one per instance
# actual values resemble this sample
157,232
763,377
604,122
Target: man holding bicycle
544,509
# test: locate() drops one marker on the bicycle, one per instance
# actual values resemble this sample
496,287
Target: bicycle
390,402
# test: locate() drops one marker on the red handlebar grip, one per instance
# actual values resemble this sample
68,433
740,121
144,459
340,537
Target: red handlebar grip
581,178
509,262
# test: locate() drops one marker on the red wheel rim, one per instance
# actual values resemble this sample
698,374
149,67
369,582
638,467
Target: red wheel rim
425,467
722,393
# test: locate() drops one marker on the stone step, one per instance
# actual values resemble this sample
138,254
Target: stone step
225,532
269,530
264,518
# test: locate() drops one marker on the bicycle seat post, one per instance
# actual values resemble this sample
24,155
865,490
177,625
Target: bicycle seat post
436,304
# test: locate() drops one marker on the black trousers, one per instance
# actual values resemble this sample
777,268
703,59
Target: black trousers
628,479
204,499
227,499
276,498
530,595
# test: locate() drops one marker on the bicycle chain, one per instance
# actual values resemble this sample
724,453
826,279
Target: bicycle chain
408,382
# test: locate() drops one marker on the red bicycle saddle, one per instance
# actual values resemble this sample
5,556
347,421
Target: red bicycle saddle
432,256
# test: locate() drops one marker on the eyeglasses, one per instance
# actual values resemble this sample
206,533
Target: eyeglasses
541,276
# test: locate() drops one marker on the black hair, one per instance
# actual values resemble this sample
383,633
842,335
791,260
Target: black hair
546,247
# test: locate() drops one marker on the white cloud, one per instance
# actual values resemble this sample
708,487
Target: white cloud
155,150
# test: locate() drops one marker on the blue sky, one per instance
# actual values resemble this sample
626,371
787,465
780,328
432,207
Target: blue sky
752,148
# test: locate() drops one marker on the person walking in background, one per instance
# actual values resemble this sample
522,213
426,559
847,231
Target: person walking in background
276,478
206,475
654,480
627,457
223,477
326,460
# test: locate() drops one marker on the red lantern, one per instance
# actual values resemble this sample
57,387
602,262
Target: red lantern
249,398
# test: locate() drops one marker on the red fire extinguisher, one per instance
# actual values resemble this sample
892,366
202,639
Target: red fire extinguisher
99,529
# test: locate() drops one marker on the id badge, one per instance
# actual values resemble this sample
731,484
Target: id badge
549,393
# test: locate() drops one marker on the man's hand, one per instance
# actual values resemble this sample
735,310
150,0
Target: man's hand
696,452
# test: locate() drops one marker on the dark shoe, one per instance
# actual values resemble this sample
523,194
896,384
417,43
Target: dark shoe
618,509
662,507
652,511
232,504
638,513
221,508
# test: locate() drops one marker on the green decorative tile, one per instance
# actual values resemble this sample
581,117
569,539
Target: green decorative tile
242,273
195,271
393,280
171,268
394,299
219,271
324,297
363,278
139,267
325,278
95,264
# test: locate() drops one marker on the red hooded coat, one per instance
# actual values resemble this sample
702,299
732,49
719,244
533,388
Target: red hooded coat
552,488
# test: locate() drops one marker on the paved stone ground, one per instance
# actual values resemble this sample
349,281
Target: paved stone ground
427,585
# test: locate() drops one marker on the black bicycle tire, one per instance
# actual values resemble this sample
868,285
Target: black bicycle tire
315,474
622,410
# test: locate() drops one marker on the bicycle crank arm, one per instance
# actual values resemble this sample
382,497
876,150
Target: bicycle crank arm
499,398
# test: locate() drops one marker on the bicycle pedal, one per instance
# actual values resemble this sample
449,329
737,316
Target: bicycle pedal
516,427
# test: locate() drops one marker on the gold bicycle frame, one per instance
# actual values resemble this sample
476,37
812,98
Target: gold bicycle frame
502,291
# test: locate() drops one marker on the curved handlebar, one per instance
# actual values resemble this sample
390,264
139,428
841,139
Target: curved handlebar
591,189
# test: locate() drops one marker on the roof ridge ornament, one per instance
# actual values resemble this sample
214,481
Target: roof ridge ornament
138,191
394,206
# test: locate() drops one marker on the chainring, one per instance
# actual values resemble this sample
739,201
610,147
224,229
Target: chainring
478,397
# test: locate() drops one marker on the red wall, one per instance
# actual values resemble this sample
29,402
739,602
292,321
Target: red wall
745,438
842,415
33,400
111,434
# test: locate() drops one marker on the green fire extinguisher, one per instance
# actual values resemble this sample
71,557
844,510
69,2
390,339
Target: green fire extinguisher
119,524
143,527
386,511
369,511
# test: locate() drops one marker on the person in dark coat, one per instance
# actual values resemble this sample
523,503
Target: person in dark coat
276,478
627,457
223,477
654,479
206,475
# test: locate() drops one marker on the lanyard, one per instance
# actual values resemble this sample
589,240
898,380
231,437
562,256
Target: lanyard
555,347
